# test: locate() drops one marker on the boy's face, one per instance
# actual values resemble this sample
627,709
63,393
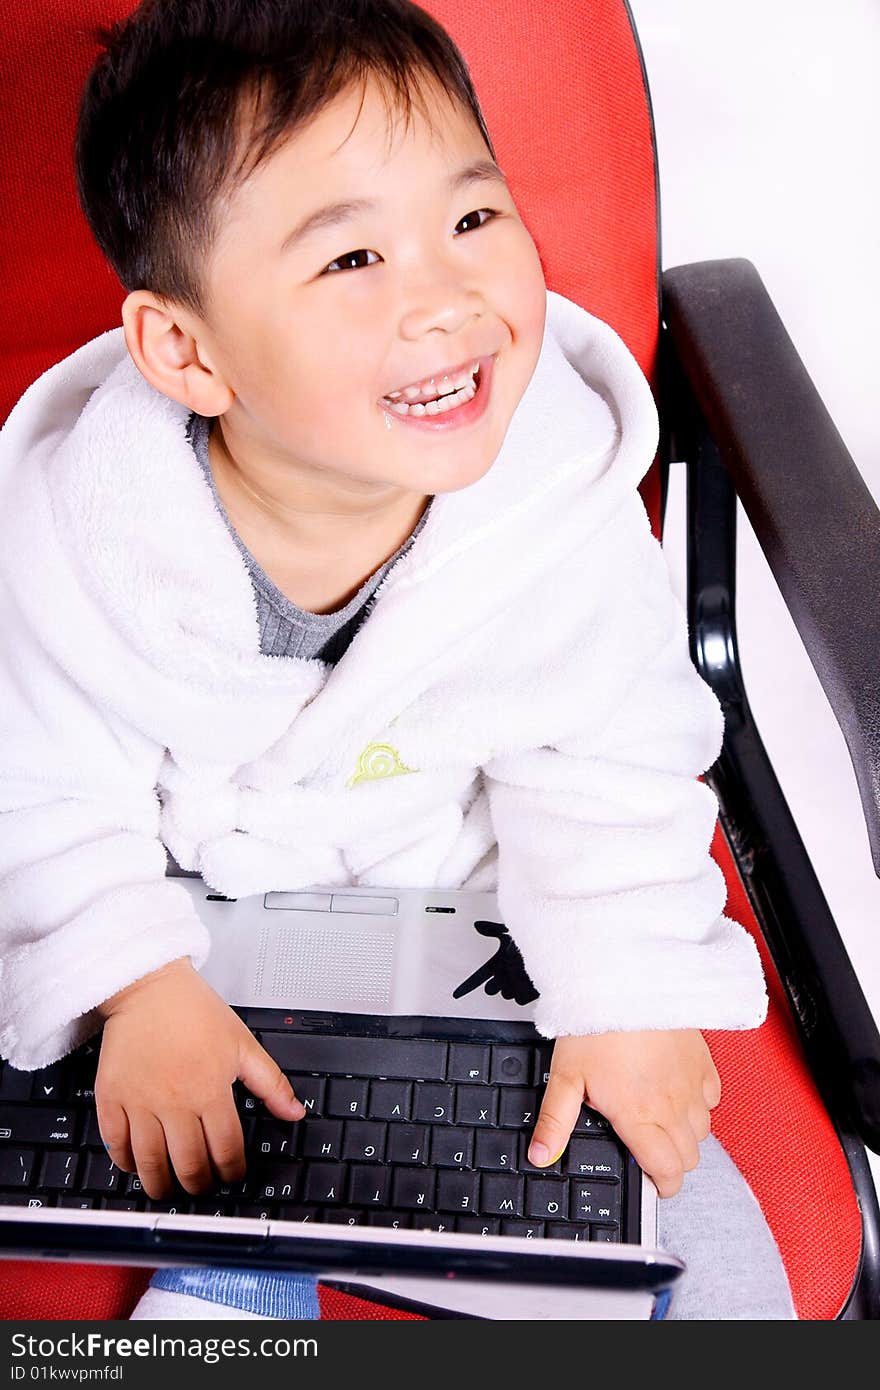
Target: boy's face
312,335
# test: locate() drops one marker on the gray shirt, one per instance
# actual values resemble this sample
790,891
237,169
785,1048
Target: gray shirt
286,630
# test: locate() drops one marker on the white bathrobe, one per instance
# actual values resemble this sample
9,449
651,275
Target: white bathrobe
518,713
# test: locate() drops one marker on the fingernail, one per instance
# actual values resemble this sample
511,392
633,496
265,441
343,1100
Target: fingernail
297,1109
539,1155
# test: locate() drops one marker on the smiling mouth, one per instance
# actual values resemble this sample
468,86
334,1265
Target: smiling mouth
437,397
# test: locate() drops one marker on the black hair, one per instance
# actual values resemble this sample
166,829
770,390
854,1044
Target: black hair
189,96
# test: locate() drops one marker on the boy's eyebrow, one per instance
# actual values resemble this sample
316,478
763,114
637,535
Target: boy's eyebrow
480,171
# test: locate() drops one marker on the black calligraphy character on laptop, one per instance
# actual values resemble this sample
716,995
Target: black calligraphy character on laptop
503,973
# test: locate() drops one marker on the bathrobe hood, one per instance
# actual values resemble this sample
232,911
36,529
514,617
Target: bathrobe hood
144,544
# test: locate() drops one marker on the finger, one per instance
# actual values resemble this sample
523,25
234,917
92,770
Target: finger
115,1133
558,1116
264,1078
151,1155
700,1121
684,1139
225,1143
185,1141
712,1087
655,1151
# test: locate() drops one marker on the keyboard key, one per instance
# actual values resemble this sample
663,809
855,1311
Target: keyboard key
16,1167
457,1191
368,1185
254,1211
440,1224
118,1204
59,1169
171,1206
15,1084
296,1212
518,1107
275,1182
529,1229
408,1144
511,1066
275,1138
607,1235
396,1220
364,1141
502,1194
393,1058
322,1138
563,1230
478,1225
433,1104
245,1103
541,1066
325,1182
594,1158
211,1205
344,1216
92,1135
468,1062
595,1201
50,1083
100,1175
310,1090
476,1105
38,1124
495,1150
346,1096
413,1189
22,1199
547,1197
451,1148
84,1203
390,1100
591,1122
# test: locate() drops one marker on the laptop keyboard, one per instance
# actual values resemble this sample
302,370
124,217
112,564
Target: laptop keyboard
424,1132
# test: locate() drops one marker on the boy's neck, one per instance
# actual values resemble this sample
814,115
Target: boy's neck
317,539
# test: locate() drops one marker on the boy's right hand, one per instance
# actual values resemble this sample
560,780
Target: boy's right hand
170,1052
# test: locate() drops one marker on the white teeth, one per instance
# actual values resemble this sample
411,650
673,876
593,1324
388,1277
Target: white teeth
433,386
441,407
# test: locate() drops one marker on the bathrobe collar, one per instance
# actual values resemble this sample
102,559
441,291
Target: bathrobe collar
138,561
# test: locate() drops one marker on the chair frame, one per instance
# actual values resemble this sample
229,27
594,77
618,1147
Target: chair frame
720,328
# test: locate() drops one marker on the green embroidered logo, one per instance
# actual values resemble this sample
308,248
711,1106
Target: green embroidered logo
378,760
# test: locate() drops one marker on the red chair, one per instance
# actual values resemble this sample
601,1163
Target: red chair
565,98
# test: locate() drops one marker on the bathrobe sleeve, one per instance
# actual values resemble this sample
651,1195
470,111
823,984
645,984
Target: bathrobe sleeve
604,875
85,907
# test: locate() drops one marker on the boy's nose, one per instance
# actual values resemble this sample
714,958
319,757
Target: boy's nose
447,307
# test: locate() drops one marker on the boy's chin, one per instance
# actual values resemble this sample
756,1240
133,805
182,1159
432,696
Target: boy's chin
454,478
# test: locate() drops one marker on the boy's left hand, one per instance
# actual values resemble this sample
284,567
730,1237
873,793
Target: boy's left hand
656,1089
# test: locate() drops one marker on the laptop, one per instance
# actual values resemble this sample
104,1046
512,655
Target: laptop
403,1018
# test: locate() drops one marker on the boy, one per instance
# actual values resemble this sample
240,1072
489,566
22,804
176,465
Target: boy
349,449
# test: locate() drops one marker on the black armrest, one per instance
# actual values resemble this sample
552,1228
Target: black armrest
810,509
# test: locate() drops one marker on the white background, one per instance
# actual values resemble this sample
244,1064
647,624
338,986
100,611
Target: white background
767,129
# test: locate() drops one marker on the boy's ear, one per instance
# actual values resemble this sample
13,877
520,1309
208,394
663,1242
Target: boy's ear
166,352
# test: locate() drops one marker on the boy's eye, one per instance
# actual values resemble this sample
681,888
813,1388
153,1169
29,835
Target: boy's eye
471,216
351,261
